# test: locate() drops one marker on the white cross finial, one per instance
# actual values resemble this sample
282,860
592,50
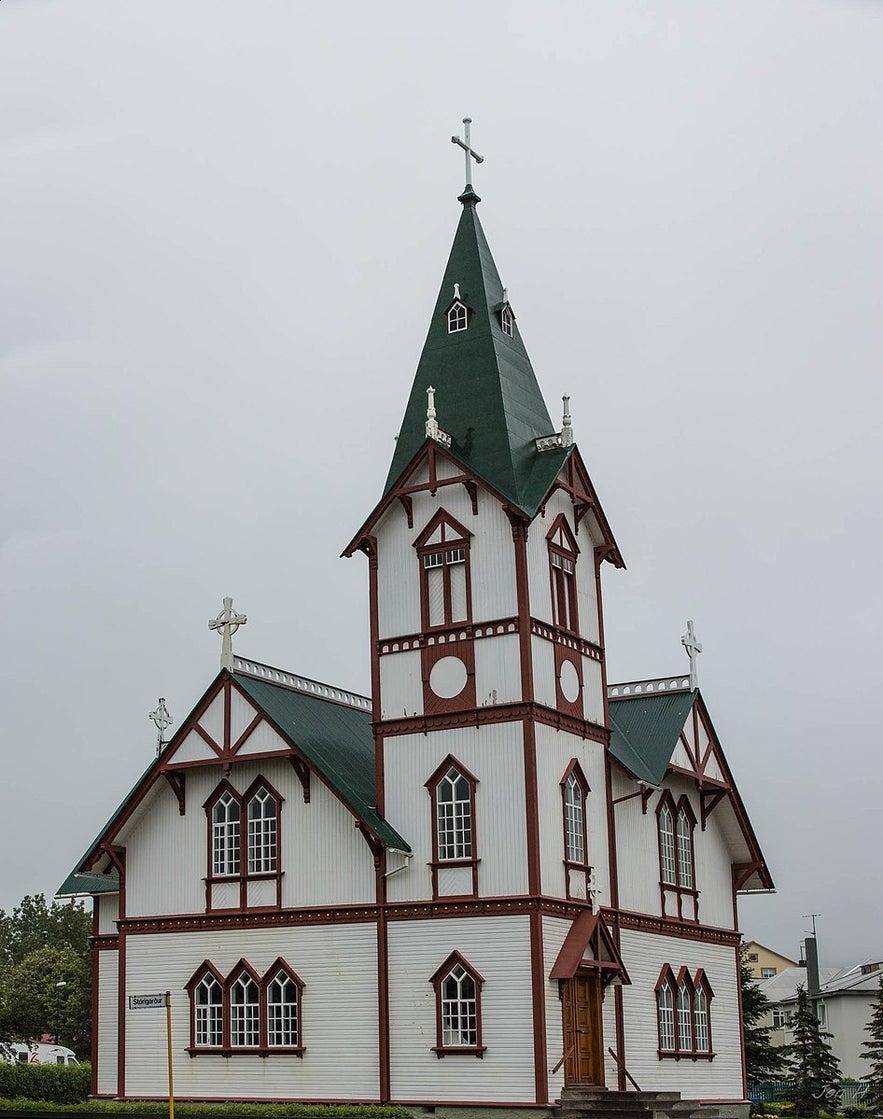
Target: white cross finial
688,640
162,720
228,622
470,154
433,431
566,429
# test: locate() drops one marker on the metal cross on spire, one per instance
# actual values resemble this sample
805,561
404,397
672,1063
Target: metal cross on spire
470,154
228,622
688,640
162,720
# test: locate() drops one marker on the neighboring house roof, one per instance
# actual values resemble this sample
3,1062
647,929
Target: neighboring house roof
782,987
335,738
487,396
856,979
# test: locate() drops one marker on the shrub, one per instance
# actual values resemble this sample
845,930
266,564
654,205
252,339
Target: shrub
49,1083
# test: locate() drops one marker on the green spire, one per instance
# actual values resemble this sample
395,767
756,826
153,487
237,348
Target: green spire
486,394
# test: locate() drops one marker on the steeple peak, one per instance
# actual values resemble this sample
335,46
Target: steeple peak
476,362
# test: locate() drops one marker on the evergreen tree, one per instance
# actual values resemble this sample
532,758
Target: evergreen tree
812,1067
872,1051
763,1060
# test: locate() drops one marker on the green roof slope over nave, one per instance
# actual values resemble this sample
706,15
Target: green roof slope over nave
487,396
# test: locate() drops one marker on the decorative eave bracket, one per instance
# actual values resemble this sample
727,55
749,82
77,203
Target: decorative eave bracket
177,779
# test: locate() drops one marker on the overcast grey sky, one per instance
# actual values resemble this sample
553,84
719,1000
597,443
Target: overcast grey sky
223,227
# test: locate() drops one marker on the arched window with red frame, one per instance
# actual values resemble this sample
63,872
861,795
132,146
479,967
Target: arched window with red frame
445,578
574,790
206,991
563,555
244,1002
282,991
458,1008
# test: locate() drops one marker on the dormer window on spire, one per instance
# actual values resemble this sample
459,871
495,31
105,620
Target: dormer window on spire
457,317
507,321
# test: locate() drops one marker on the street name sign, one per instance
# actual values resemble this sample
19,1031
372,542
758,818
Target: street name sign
147,1002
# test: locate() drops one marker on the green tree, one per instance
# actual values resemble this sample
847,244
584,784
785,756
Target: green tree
812,1066
872,1051
45,973
763,1060
34,924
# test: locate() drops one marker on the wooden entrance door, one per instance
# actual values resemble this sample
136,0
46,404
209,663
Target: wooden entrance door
583,1033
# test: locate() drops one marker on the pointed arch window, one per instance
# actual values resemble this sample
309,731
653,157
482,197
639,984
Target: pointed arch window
206,1009
454,796
244,994
507,321
282,997
458,1008
683,1009
445,576
676,824
226,826
563,553
574,789
263,830
665,1003
457,317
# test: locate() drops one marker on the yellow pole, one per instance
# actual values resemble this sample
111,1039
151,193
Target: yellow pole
169,1039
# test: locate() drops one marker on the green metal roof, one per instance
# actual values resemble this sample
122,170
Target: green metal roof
337,741
645,730
487,396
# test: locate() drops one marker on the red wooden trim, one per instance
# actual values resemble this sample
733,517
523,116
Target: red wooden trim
280,964
121,1015
93,1047
302,770
177,781
437,863
408,505
501,713
246,734
576,769
227,714
465,699
538,1008
207,738
669,926
441,973
383,1015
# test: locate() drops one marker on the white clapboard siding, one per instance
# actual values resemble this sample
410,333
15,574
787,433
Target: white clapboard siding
338,965
593,691
495,755
212,719
106,1005
497,670
544,686
499,949
554,932
194,748
108,906
398,575
637,848
644,954
555,750
242,713
167,854
401,685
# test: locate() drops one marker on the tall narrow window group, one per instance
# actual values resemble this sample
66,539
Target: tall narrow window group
259,808
245,1012
683,1008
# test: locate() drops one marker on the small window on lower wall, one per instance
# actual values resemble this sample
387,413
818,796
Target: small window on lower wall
457,1008
683,1014
244,1012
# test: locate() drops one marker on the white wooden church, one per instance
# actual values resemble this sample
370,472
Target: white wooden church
498,874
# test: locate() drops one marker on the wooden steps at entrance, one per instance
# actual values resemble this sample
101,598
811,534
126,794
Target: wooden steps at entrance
591,1102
